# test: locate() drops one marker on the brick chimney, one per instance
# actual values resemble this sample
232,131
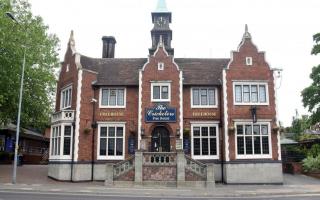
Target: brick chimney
108,46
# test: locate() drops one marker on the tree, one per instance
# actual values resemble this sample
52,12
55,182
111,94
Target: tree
41,60
311,94
299,125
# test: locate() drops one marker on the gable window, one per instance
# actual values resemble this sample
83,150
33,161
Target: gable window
66,95
160,92
204,141
160,66
111,141
203,97
248,60
112,97
250,93
253,140
61,141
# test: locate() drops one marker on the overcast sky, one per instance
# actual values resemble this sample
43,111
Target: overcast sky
201,28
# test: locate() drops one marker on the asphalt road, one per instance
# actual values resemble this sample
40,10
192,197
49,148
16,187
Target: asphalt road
16,195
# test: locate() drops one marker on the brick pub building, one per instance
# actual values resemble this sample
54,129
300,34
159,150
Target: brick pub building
166,120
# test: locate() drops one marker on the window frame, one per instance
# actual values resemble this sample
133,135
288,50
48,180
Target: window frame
253,156
215,105
68,87
60,156
205,124
161,84
107,125
249,61
113,106
250,84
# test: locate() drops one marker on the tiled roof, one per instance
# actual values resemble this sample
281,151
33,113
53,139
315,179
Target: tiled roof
125,71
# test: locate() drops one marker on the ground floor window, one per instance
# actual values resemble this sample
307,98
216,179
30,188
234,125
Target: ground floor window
111,137
61,141
253,140
204,141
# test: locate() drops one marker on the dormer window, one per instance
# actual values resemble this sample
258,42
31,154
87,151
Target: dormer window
249,61
66,95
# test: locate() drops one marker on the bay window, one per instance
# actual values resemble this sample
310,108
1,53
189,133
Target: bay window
61,141
66,97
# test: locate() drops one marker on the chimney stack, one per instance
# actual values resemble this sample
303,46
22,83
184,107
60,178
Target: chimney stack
108,46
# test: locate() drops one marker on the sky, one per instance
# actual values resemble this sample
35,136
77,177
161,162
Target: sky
201,29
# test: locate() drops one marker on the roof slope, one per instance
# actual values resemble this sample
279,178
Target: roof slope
125,71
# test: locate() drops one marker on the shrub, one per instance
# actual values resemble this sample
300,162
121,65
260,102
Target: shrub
311,164
314,151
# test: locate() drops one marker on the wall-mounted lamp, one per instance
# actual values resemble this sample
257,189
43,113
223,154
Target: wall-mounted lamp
178,132
253,110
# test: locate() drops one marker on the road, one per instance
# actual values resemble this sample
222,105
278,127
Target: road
16,195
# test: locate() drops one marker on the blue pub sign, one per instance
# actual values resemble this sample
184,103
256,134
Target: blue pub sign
160,113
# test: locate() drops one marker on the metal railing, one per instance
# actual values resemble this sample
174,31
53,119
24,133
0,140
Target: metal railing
196,167
159,158
123,167
63,115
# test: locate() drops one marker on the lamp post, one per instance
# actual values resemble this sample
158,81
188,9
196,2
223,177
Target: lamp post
14,174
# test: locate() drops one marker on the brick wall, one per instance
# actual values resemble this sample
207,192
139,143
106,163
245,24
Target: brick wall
159,173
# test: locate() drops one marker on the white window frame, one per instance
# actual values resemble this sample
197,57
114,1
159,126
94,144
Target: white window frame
60,156
248,61
160,66
107,125
253,156
113,106
250,83
161,84
205,124
62,107
215,105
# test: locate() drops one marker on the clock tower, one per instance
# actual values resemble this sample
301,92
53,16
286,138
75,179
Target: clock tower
161,18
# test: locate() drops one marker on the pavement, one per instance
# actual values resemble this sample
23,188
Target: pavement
33,178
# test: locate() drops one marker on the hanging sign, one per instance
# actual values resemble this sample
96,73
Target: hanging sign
160,113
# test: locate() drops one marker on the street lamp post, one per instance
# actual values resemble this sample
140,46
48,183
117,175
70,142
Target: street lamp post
14,174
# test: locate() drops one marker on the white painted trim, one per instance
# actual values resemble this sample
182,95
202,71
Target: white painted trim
161,84
116,106
77,124
205,122
113,124
61,156
90,71
78,60
202,124
181,103
253,156
225,106
277,113
250,120
250,83
204,106
140,109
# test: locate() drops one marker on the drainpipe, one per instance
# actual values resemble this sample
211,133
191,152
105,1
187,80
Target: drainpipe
72,154
222,134
94,126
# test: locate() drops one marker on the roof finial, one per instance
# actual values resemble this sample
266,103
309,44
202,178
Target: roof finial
246,32
72,42
161,6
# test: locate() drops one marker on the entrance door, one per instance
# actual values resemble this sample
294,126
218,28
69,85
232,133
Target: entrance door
160,141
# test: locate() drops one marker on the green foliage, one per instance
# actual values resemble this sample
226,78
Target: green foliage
314,151
41,59
299,125
307,137
311,164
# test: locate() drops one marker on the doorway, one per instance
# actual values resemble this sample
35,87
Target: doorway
160,140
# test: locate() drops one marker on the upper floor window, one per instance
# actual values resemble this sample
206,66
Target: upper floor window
253,140
250,93
203,97
112,97
160,92
160,66
66,95
61,141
